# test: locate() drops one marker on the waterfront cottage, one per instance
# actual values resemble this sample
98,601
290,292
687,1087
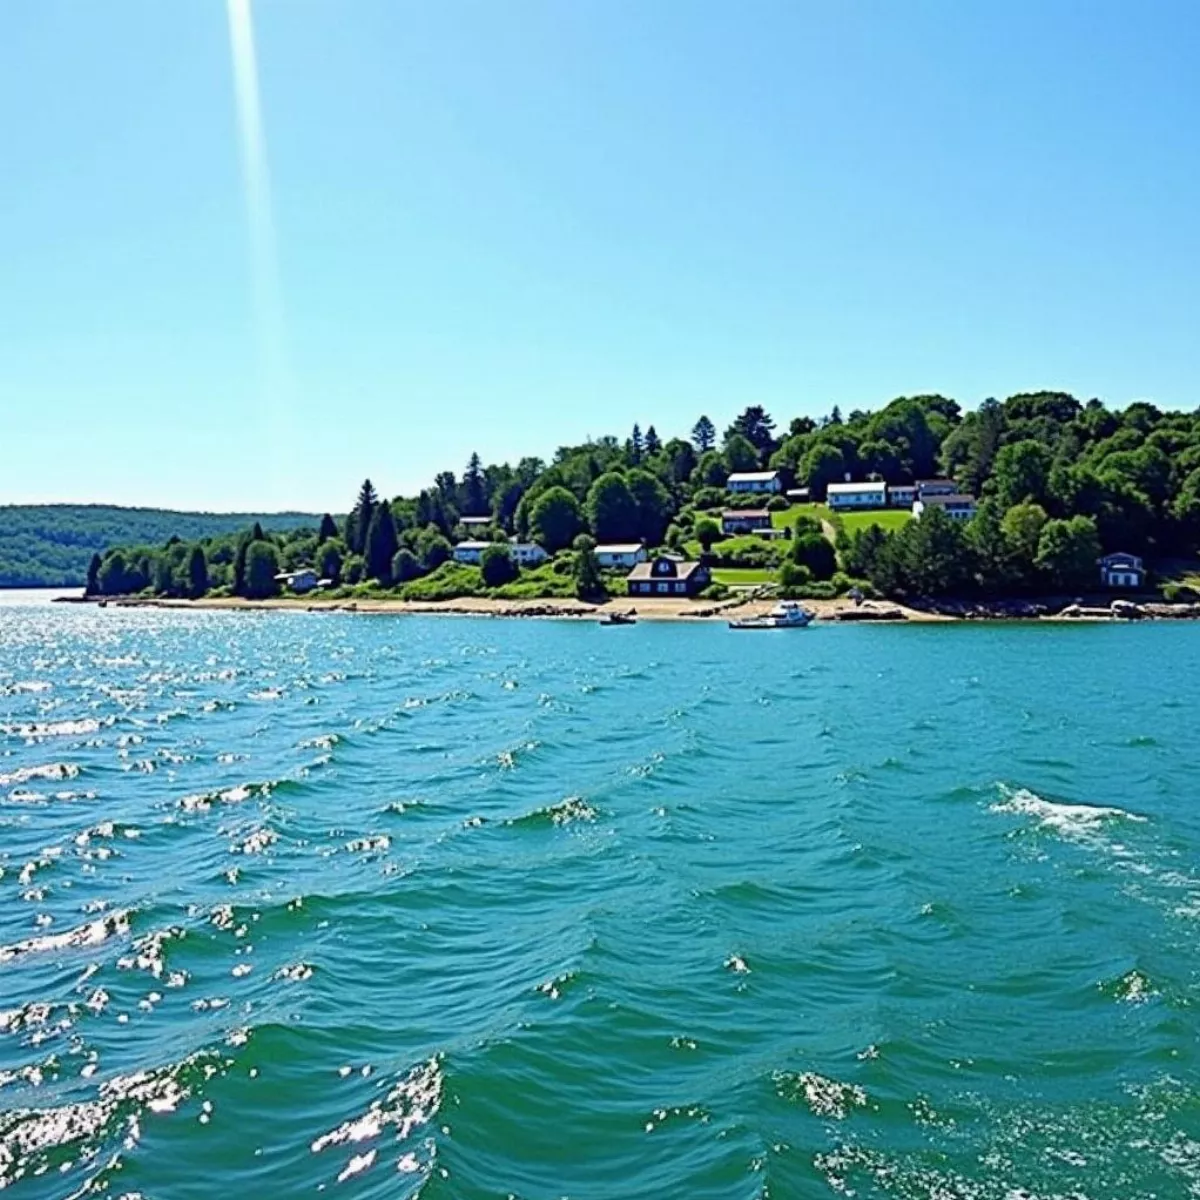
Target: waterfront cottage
470,552
755,481
625,554
956,506
301,581
901,495
745,520
842,496
1122,570
936,487
668,576
527,554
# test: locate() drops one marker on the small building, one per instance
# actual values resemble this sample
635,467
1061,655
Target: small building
475,522
470,552
841,496
956,506
901,495
526,554
668,576
755,481
623,554
1122,570
746,520
798,495
935,487
301,581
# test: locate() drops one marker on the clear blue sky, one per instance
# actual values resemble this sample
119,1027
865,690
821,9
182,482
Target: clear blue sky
507,226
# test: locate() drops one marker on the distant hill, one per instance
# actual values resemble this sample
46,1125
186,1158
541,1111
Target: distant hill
50,545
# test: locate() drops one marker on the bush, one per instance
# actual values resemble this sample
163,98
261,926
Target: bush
794,575
709,497
744,500
707,532
815,553
843,583
405,566
715,591
1178,593
778,504
447,582
496,566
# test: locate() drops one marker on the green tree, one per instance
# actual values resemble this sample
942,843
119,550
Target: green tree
555,519
93,576
405,566
496,566
197,571
704,434
239,566
707,532
612,511
635,447
358,523
114,574
262,565
757,427
1021,472
654,509
822,465
328,529
739,453
589,582
433,548
682,459
931,556
1022,526
710,471
653,442
474,489
330,557
381,544
814,552
1068,552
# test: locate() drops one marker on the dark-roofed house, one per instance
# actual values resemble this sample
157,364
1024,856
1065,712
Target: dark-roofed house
668,576
1122,570
745,520
954,505
936,487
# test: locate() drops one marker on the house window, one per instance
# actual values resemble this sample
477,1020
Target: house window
681,586
664,587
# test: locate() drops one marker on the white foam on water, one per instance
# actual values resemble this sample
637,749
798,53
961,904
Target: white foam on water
1069,820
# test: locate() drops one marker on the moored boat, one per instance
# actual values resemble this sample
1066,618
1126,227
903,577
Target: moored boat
787,614
619,618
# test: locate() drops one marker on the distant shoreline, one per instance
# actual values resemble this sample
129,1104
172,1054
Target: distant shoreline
840,611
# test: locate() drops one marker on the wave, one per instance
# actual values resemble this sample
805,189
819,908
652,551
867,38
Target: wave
565,812
94,933
203,801
37,731
1070,820
52,772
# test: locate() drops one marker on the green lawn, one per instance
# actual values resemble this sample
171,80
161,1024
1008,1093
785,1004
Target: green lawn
742,576
789,516
886,518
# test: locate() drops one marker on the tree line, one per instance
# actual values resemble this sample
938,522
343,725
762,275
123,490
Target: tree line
1059,480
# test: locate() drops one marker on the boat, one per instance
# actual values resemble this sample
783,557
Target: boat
620,618
787,614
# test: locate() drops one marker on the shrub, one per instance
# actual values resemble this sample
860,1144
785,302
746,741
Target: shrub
715,591
709,497
405,566
778,504
707,532
1178,593
496,566
448,581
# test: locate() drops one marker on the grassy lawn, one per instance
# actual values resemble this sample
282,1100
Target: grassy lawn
789,516
742,576
887,518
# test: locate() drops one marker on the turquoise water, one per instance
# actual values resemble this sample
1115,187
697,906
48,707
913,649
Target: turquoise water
384,906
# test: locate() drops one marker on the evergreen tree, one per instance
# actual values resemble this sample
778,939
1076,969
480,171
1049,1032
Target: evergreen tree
739,453
381,544
704,434
256,534
197,570
262,565
474,489
589,582
359,522
239,566
757,427
635,447
653,443
93,576
328,529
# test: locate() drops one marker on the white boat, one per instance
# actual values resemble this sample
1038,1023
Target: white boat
787,614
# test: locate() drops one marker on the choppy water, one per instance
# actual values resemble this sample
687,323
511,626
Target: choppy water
468,908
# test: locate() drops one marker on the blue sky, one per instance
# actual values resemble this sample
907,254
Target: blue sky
507,226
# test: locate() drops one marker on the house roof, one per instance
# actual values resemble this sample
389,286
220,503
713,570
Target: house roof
739,514
683,570
855,489
469,545
957,499
752,476
797,492
922,483
475,520
1121,557
620,548
902,487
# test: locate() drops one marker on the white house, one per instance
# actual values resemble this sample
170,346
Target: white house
475,522
936,487
301,581
625,554
1122,571
527,554
901,495
754,481
470,552
957,507
856,495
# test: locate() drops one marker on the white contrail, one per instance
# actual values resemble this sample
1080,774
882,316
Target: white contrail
268,303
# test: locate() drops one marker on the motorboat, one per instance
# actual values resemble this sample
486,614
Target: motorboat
619,618
787,614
